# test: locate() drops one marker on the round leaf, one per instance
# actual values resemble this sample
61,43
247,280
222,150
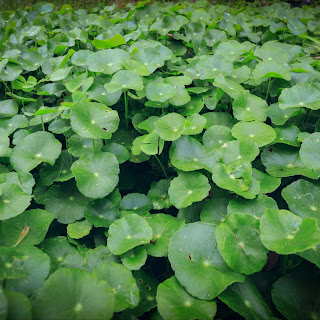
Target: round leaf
13,200
94,120
174,302
286,233
310,151
129,232
29,228
97,174
188,188
122,283
197,263
170,127
258,132
33,149
79,229
84,296
240,244
160,91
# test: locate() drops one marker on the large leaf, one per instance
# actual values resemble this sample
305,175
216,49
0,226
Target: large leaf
310,151
240,245
286,233
29,228
303,198
94,120
300,95
296,294
188,188
176,303
97,174
88,296
197,263
129,232
33,149
245,299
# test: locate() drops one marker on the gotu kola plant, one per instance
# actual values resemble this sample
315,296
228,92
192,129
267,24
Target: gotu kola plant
159,161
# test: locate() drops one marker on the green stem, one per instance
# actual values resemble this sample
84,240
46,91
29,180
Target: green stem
161,166
43,129
268,89
126,109
12,96
93,145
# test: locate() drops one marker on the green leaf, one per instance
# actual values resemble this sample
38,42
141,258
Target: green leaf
258,132
245,299
8,108
215,136
296,294
188,188
84,296
13,201
122,283
58,249
4,142
136,202
236,177
164,227
107,61
194,124
160,92
101,212
33,149
65,202
310,151
197,263
287,135
285,162
127,233
37,221
118,150
79,229
60,74
115,41
37,265
300,95
97,174
79,146
240,245
158,194
255,207
59,172
176,303
135,258
244,150
77,82
124,80
19,306
170,127
94,120
214,211
271,69
11,266
248,107
303,198
188,154
287,233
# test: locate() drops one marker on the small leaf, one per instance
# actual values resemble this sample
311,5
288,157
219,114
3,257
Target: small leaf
127,233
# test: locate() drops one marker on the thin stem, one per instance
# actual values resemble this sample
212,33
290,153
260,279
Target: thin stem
43,129
162,167
12,96
93,145
126,109
268,89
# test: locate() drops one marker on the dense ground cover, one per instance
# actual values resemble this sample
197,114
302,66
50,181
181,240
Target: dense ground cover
160,161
